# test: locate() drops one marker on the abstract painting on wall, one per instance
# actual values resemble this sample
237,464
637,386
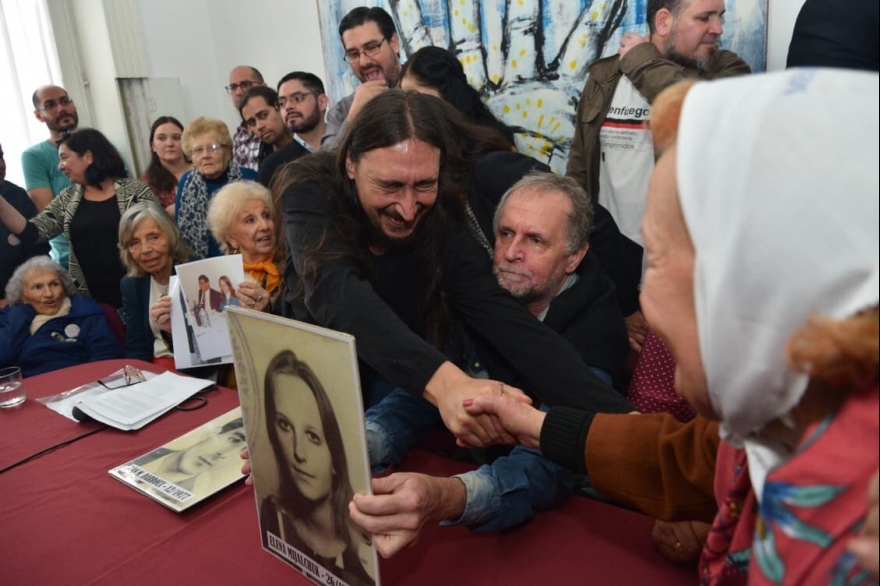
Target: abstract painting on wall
528,58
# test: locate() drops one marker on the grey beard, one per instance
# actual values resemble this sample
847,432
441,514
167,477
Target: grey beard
702,63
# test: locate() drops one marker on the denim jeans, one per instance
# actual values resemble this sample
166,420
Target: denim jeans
501,495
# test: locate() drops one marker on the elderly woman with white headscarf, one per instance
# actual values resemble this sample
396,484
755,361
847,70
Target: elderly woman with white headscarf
761,235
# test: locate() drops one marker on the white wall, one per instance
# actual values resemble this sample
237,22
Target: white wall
200,41
97,62
780,23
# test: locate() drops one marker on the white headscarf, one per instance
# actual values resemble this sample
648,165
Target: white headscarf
778,183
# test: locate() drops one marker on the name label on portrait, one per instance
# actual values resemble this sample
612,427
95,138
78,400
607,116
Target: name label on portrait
302,562
170,489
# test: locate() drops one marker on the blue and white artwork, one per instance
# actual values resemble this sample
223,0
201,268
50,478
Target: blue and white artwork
528,58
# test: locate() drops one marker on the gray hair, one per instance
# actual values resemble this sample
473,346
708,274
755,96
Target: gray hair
133,216
580,220
228,202
15,286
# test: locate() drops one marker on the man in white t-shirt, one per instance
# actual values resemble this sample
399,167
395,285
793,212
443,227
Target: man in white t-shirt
612,154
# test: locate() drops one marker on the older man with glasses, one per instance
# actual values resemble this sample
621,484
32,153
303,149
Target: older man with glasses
372,50
42,178
245,145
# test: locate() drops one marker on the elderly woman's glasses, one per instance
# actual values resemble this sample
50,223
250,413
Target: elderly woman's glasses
370,50
129,375
208,148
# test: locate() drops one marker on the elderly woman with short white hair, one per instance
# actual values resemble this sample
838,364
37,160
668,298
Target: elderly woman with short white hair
242,220
207,143
48,326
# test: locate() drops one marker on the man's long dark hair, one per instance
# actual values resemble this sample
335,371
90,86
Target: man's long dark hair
388,119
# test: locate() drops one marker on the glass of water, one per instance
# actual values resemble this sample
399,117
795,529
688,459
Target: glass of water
12,391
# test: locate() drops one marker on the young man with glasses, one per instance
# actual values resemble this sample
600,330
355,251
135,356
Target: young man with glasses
302,104
372,50
42,178
245,145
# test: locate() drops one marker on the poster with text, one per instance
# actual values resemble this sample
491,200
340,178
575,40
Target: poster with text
301,402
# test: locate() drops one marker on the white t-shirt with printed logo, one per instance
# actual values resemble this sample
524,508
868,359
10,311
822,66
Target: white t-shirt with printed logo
626,158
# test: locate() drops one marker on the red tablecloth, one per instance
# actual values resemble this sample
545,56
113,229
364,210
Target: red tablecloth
64,520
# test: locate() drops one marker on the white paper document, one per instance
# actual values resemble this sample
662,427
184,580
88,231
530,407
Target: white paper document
132,407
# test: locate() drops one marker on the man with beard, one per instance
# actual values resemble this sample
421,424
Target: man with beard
259,112
245,144
372,49
612,154
42,178
302,105
380,249
542,226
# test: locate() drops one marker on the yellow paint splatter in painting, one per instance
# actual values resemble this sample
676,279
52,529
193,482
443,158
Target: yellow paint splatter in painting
528,101
513,63
518,106
552,120
455,13
464,21
467,59
472,28
602,7
494,47
495,80
525,114
522,53
558,124
506,107
540,121
583,41
595,15
405,14
540,103
573,64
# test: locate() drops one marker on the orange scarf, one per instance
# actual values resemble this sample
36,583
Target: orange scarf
264,272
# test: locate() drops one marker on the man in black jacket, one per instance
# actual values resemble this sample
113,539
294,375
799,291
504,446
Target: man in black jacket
541,226
378,249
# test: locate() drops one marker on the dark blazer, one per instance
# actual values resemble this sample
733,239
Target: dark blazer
215,299
136,315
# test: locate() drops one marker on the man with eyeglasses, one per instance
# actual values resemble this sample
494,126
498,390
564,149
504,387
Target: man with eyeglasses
259,112
245,145
302,104
372,50
42,178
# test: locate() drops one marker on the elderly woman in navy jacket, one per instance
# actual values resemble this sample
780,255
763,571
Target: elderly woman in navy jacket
149,245
47,326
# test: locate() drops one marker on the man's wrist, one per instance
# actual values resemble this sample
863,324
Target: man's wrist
441,382
449,498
